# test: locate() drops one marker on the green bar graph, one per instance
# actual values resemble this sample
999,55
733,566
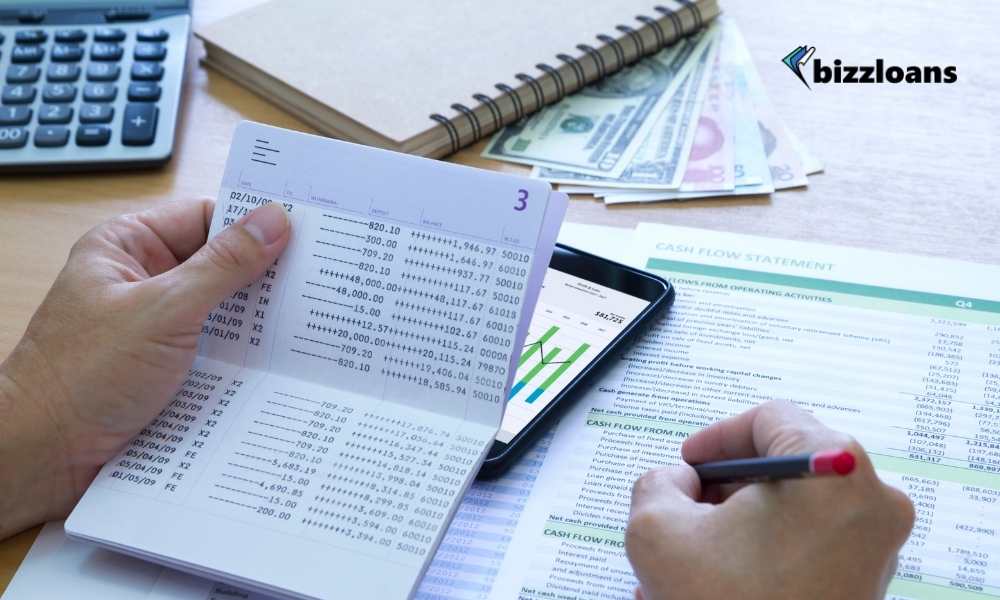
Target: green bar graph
554,376
534,346
562,368
535,370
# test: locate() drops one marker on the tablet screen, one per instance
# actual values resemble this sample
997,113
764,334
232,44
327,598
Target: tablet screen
574,320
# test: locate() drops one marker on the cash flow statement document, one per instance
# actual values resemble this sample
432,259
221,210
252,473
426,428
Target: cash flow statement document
902,352
340,406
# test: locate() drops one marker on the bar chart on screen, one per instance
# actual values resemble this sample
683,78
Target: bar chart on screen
573,321
555,360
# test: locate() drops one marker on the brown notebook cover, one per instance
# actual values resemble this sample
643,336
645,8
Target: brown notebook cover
431,78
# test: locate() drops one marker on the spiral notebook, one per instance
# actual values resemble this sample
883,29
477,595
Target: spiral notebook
428,81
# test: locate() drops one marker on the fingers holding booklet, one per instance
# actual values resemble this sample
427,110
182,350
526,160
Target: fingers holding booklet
339,406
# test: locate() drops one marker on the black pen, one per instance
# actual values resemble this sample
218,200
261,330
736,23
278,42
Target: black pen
773,468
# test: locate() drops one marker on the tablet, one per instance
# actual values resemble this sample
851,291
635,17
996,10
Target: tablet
588,307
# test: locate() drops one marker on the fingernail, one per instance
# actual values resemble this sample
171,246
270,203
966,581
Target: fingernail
267,224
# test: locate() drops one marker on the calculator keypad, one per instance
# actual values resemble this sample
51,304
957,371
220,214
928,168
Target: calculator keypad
71,36
93,135
143,91
100,92
15,115
30,36
106,51
13,137
84,86
103,72
139,127
23,73
150,52
62,72
18,94
109,34
147,71
67,53
55,114
96,113
27,54
51,136
152,34
56,93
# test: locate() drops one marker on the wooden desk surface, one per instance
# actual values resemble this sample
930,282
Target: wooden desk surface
907,166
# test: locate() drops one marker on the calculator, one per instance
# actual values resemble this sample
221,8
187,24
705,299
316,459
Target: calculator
90,85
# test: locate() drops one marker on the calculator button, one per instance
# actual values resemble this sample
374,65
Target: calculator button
99,92
67,53
92,135
27,54
147,71
143,92
102,51
51,136
18,94
139,124
15,115
23,73
30,36
55,114
102,72
58,92
96,113
108,34
13,137
152,34
70,36
150,51
62,72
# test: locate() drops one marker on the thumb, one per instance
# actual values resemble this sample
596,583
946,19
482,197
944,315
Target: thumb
666,489
232,259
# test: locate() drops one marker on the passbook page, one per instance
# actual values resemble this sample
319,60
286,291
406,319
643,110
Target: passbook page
464,566
901,352
341,404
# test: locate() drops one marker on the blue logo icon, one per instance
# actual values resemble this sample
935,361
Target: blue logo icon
797,58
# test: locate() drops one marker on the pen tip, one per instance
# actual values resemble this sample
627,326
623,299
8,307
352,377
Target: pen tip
843,463
840,462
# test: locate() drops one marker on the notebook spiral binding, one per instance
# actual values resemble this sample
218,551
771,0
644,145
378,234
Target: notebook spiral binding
579,74
616,48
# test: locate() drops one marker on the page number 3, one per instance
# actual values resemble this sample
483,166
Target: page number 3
522,200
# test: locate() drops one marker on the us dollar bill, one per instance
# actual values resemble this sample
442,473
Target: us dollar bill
756,147
662,156
599,129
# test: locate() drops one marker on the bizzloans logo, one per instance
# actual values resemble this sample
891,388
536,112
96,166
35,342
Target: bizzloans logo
797,59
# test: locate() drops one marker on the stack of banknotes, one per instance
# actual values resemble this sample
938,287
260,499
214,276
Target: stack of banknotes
692,121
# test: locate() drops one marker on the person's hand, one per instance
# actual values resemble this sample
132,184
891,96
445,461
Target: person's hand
111,344
830,537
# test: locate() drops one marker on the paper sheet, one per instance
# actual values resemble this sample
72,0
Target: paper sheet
902,352
58,567
754,319
463,568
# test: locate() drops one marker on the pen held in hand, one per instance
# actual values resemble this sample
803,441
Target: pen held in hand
774,468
